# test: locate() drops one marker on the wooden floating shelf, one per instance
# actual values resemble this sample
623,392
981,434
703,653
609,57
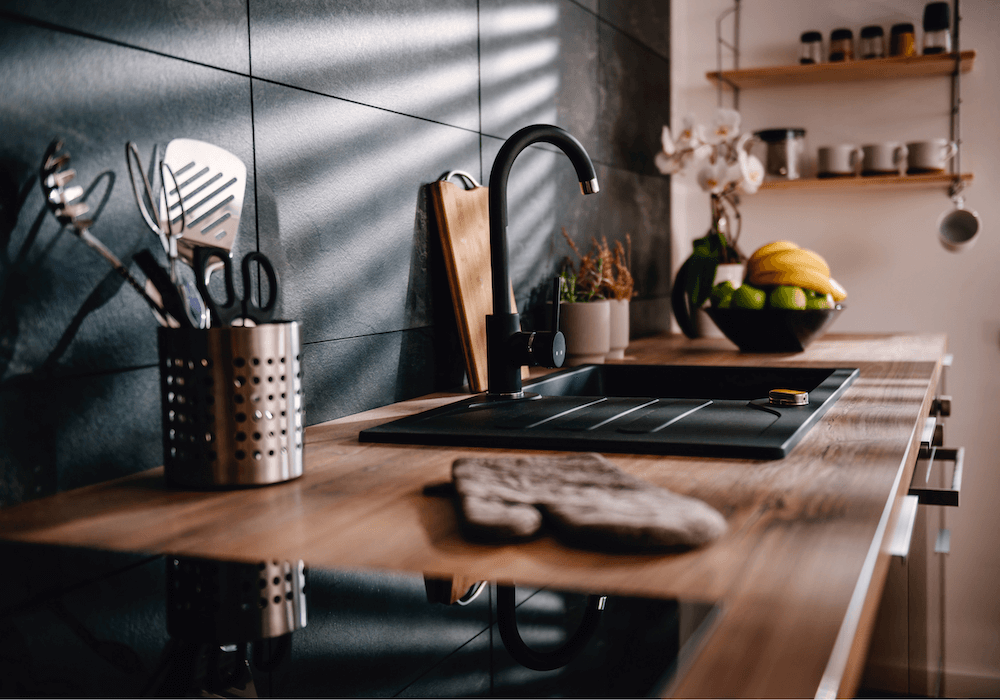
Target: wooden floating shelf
866,69
867,182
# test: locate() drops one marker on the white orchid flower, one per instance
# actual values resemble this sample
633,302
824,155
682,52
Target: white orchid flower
691,134
669,165
667,141
753,172
712,176
725,126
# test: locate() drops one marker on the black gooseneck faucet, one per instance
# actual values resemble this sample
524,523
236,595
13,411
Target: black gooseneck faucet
507,347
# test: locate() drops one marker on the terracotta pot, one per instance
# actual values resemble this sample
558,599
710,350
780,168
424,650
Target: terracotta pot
587,327
619,328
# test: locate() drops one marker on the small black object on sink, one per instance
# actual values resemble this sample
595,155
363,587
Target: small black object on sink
642,409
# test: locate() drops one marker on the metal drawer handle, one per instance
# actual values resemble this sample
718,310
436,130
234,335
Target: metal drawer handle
903,534
942,497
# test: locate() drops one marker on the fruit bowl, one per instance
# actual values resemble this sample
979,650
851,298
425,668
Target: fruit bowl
773,330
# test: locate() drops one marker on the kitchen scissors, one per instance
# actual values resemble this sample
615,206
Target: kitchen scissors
223,314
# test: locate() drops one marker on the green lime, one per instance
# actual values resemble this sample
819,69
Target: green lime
721,294
748,297
787,297
817,300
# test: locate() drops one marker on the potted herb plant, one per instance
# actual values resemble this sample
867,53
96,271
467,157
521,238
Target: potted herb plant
594,302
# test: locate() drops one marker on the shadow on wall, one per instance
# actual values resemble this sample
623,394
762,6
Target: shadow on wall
37,404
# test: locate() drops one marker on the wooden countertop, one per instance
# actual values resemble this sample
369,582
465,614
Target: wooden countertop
799,574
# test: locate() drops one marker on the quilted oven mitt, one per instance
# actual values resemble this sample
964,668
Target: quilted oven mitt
586,499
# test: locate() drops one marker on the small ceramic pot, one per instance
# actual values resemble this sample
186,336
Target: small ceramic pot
619,328
587,327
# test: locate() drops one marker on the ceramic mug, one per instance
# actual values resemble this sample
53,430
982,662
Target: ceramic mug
930,156
958,228
839,160
884,158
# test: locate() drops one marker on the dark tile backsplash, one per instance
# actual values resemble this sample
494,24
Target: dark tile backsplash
342,112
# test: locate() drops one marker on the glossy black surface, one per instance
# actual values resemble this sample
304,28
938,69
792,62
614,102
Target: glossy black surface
75,620
655,409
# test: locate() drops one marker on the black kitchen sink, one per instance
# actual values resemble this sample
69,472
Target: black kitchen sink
647,409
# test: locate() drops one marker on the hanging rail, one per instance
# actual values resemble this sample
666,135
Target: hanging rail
733,46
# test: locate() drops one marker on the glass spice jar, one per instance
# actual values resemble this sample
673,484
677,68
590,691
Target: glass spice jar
937,23
812,48
872,44
903,40
841,45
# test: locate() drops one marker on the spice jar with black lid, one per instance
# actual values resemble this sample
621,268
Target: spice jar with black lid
841,45
937,22
903,40
872,44
812,48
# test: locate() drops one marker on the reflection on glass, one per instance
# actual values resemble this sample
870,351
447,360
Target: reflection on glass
379,634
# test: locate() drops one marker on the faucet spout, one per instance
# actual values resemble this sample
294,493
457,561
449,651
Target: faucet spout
503,327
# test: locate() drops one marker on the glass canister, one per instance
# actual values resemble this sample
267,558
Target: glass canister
872,44
937,23
785,154
812,48
841,45
903,40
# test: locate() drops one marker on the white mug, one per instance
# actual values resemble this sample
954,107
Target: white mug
930,156
885,158
839,160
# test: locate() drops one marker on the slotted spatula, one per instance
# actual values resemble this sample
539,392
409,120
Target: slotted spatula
212,182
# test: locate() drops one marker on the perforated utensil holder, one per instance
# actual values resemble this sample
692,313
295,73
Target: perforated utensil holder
232,405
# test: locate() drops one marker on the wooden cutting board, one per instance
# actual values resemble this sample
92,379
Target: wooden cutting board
463,222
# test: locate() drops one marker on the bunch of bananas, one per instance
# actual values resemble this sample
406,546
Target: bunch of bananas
782,263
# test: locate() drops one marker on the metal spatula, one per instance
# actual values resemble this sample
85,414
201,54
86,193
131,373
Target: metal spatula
212,182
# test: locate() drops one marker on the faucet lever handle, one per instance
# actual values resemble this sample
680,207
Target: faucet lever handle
549,347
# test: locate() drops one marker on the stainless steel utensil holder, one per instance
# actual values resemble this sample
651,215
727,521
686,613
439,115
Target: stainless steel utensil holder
232,603
232,405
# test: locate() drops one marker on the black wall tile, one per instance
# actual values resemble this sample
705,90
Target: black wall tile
58,434
417,57
63,307
649,316
343,214
539,66
635,101
639,205
645,20
213,32
348,376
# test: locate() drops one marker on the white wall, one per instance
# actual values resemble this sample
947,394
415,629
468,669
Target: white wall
882,245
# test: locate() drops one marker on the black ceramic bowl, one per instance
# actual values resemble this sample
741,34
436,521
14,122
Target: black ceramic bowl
773,330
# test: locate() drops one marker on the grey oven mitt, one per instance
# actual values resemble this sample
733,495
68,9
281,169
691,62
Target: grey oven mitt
586,499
